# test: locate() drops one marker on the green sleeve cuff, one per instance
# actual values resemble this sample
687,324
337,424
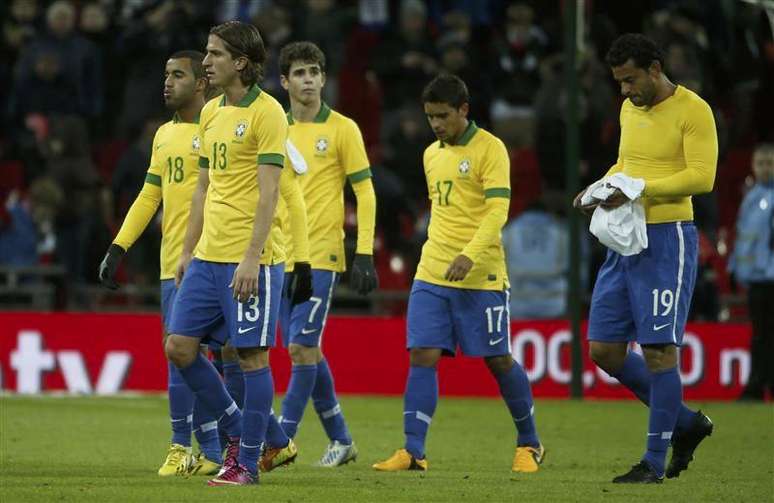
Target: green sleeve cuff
204,163
275,159
153,179
498,192
359,176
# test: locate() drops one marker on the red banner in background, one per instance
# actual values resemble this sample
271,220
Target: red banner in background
110,353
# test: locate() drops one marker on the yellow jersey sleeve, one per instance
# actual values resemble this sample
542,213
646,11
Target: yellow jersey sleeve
356,166
700,148
271,131
495,179
352,152
144,206
290,190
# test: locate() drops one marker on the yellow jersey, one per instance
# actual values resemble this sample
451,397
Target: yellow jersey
469,188
334,151
291,218
673,146
235,139
171,180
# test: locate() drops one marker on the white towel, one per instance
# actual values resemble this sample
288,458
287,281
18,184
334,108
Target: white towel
296,158
621,229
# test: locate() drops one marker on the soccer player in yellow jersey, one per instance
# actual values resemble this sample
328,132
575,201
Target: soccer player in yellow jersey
232,263
171,179
335,153
668,139
460,291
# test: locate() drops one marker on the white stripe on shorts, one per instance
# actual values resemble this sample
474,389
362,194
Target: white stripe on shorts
267,306
327,307
680,265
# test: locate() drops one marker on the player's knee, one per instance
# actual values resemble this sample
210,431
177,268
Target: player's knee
499,364
605,358
303,355
179,351
228,354
660,357
424,357
253,358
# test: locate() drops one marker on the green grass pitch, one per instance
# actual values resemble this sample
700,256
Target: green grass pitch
108,449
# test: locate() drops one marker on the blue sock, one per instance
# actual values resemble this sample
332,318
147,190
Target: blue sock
259,393
206,431
205,382
275,435
419,403
515,390
302,382
180,403
635,375
666,393
327,406
235,381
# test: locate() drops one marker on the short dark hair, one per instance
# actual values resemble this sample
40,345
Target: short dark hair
446,88
242,39
306,52
196,59
642,50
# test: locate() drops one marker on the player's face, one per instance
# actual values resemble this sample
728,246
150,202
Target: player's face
446,121
222,70
637,84
179,83
763,166
304,82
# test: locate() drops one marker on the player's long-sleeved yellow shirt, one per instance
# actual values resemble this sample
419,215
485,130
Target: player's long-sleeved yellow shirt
171,179
334,150
673,146
469,186
291,217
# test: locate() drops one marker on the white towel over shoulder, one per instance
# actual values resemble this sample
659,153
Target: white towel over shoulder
622,229
296,158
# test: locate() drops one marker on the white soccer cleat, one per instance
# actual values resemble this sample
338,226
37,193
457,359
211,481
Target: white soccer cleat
338,454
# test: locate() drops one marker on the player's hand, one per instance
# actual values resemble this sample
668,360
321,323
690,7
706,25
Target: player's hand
182,266
586,209
301,286
109,266
459,268
615,200
245,280
363,278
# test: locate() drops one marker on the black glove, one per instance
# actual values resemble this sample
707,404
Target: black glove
109,266
301,283
363,277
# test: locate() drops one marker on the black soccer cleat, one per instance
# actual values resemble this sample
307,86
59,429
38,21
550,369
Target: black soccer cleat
641,473
684,444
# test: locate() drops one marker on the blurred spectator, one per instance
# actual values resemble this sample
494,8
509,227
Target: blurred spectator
80,224
28,233
404,151
406,59
276,30
21,22
752,264
455,54
156,31
46,90
78,60
536,252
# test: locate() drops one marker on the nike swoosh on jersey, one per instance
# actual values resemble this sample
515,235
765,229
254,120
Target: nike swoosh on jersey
245,330
304,331
656,328
493,342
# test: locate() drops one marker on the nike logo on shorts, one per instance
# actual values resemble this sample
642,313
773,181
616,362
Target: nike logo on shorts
305,331
493,342
245,330
656,328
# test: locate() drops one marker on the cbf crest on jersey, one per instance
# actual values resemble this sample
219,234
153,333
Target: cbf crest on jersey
196,143
321,146
241,129
464,167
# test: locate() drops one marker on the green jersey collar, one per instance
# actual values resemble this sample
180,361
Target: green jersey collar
248,98
466,135
320,118
177,120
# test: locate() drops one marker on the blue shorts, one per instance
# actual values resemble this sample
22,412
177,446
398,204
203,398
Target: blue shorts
304,323
646,297
204,301
168,294
478,321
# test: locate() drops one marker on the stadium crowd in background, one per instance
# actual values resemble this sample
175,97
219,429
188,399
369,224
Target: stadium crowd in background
82,80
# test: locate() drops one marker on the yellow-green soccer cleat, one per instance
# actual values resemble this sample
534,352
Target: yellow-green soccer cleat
200,465
274,457
401,460
528,459
178,461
